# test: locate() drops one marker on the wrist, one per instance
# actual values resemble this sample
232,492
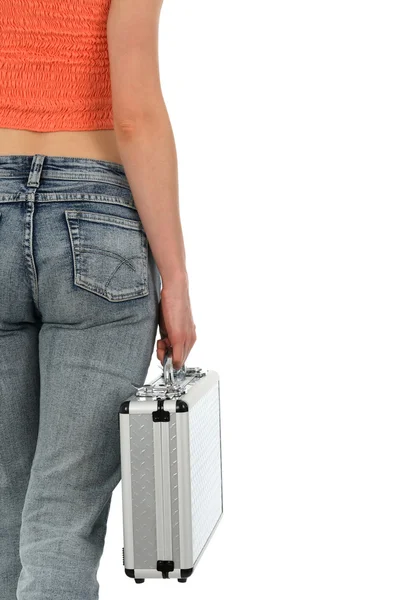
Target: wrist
177,277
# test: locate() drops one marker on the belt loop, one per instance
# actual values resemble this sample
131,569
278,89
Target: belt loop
35,170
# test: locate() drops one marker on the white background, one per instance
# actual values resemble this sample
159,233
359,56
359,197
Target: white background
286,119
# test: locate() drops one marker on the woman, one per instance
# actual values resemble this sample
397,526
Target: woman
89,226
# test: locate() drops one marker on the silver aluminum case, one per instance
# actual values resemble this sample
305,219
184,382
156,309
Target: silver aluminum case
171,476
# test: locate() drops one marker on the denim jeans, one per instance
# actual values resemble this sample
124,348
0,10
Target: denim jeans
79,301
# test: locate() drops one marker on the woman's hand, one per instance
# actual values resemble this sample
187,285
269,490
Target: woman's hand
176,323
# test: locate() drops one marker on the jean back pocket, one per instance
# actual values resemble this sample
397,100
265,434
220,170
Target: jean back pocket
110,254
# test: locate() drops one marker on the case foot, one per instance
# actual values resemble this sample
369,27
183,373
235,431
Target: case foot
182,579
139,580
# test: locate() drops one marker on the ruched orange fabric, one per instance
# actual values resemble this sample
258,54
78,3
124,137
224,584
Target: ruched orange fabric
54,65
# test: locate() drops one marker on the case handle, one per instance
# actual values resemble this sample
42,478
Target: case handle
171,374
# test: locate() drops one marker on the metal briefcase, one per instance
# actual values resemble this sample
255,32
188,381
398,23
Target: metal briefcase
171,472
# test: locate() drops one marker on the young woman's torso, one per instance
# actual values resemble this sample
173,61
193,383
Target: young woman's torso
98,144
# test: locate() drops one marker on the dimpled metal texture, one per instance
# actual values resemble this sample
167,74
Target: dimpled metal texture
143,492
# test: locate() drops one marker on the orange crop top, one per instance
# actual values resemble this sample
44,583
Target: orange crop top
54,65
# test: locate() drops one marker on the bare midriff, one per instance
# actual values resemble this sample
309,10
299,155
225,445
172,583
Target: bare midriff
98,144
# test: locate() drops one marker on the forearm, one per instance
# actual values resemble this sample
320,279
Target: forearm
148,153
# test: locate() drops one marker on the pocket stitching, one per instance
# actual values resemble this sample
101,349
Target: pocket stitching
104,218
77,250
108,253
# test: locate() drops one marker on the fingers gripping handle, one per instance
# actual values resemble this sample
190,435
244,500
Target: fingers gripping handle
171,374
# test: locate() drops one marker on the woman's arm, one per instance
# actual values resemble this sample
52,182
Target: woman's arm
147,149
143,130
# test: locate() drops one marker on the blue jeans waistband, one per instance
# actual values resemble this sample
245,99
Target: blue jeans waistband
52,178
23,163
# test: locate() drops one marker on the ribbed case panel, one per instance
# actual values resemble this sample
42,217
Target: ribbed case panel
205,460
54,65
